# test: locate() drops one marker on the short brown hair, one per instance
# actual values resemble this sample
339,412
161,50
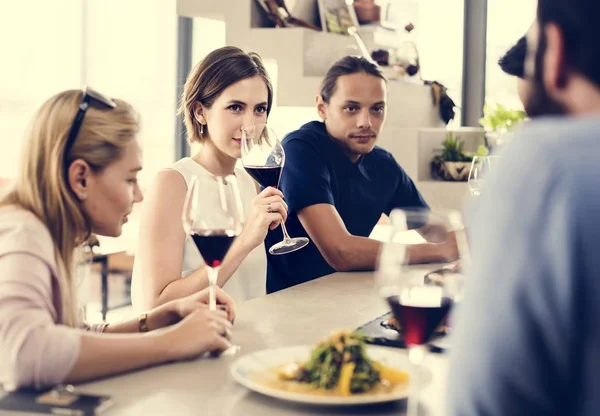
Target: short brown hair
347,66
211,76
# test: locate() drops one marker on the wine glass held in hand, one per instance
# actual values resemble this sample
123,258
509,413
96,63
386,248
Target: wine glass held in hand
263,158
212,217
419,306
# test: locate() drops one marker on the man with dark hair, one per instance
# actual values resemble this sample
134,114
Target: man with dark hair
337,183
526,341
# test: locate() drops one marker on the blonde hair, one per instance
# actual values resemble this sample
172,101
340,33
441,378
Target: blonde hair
42,186
211,76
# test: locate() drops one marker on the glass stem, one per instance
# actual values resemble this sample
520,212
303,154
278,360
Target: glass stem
286,236
416,354
213,274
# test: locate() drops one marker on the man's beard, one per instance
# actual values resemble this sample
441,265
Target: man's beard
540,103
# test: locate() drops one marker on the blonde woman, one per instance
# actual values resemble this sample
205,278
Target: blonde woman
227,90
78,175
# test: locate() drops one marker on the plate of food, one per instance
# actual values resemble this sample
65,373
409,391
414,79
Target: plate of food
340,370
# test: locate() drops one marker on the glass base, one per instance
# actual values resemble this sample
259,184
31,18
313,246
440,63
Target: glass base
287,246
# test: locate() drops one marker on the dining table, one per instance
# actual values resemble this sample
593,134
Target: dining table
300,315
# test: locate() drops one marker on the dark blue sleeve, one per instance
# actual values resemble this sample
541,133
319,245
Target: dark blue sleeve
406,194
305,180
515,328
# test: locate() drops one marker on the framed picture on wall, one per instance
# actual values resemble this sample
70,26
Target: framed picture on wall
337,16
290,13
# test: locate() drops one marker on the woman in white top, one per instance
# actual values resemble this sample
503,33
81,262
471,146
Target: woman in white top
227,90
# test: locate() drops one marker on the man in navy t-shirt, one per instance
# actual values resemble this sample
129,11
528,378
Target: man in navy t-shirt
337,183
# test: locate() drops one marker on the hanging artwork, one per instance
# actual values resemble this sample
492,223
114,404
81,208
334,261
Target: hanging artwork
337,16
279,13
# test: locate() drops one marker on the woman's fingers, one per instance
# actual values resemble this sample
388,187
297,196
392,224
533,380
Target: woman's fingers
277,207
270,191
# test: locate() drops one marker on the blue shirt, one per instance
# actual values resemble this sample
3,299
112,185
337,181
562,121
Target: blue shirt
527,339
317,172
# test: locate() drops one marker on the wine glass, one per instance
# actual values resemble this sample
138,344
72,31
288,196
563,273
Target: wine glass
480,166
263,158
418,304
213,216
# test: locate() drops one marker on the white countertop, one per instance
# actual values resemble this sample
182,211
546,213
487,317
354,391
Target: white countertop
297,316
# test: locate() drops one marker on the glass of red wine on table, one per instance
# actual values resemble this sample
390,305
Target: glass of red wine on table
418,303
263,158
213,216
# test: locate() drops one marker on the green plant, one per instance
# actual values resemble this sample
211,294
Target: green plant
500,118
452,150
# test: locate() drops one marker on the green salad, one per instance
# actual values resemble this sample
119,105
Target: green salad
338,364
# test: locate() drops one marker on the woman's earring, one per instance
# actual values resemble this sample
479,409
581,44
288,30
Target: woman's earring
201,129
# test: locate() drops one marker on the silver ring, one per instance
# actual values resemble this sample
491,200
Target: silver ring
269,208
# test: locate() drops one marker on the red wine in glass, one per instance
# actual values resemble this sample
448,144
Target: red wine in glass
265,175
263,157
212,217
213,245
418,305
418,321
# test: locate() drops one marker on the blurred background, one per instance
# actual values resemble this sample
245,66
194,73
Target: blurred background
141,50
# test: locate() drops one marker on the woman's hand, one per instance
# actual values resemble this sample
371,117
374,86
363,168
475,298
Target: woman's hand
268,211
199,332
174,311
185,306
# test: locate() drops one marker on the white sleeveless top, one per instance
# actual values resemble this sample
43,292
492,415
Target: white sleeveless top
249,280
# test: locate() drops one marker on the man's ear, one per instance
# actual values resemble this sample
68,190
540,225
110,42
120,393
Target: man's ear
321,107
554,62
199,113
79,178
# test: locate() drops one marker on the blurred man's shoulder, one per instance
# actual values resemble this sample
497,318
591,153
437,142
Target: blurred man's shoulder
555,143
555,133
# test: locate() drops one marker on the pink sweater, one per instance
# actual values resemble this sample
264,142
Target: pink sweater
35,349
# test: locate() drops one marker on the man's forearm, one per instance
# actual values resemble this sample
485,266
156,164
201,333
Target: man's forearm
361,253
354,253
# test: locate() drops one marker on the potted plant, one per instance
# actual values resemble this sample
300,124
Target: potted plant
498,122
452,163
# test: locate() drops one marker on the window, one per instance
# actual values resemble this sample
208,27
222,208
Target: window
124,49
131,49
508,20
438,35
45,60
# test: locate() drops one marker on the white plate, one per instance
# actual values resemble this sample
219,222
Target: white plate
249,370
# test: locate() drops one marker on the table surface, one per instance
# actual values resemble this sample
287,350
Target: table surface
301,315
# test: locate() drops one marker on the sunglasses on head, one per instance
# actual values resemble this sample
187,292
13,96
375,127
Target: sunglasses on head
88,97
